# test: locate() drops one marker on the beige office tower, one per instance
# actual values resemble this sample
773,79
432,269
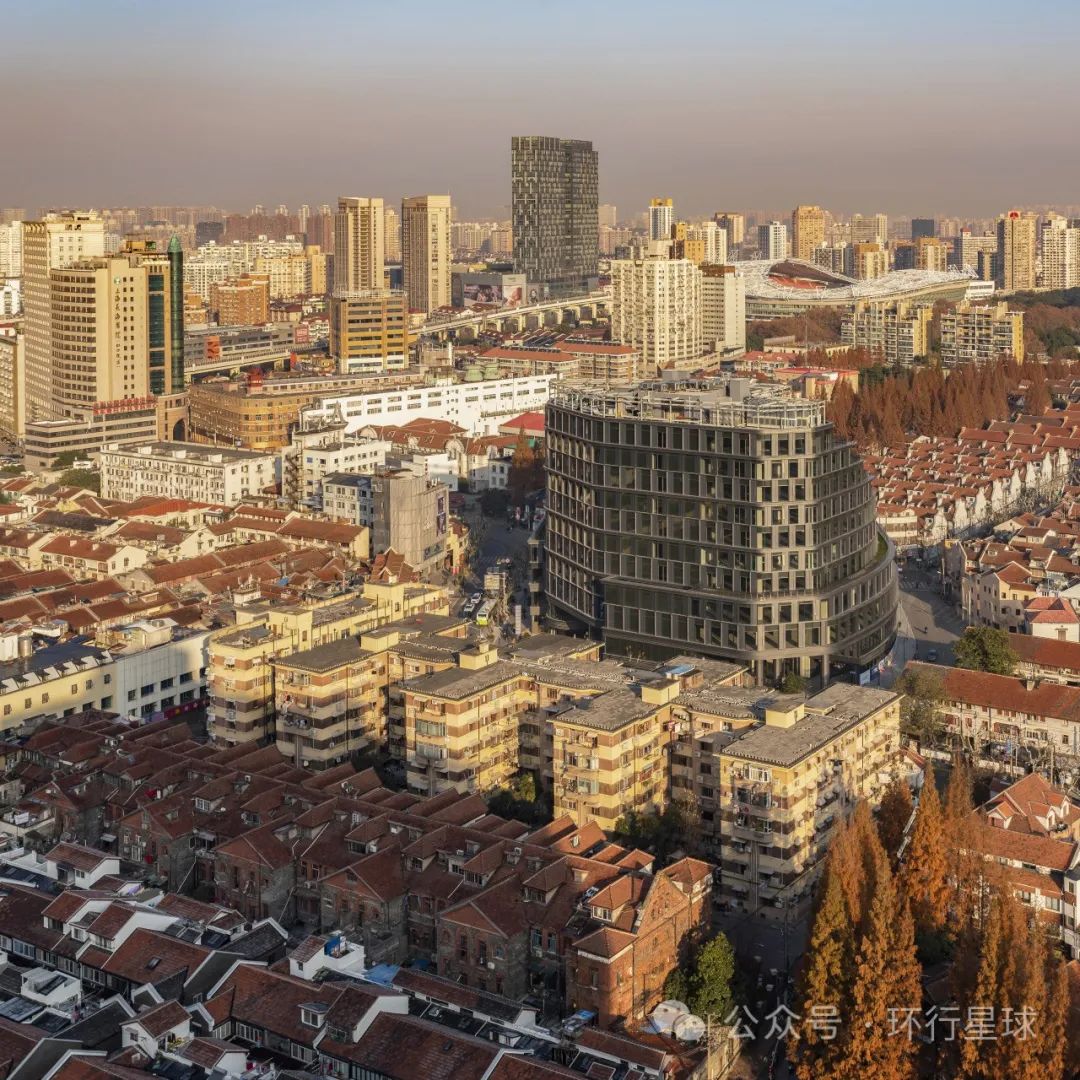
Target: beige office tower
1016,251
607,215
106,302
807,231
869,229
425,251
359,244
56,241
656,307
392,233
1060,264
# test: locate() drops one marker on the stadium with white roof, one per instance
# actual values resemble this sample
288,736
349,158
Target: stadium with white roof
775,290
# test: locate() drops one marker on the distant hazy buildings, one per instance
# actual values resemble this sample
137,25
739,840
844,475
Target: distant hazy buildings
807,231
922,227
661,218
607,215
359,244
1016,251
734,224
869,229
425,249
656,307
554,211
11,249
968,246
931,253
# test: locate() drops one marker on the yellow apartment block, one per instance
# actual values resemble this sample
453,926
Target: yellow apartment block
461,724
330,702
241,680
771,776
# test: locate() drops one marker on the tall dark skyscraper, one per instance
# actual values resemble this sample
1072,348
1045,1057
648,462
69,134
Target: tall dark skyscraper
176,314
923,226
555,223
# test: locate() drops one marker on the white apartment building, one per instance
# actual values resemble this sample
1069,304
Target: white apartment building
1060,265
11,256
10,298
723,308
773,241
478,407
715,240
311,456
656,307
661,218
12,385
193,471
158,667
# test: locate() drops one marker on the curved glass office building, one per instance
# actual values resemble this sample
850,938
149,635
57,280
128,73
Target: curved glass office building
719,518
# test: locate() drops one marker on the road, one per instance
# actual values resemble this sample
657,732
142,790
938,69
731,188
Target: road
933,621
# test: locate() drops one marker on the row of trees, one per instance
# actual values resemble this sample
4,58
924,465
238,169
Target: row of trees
879,918
922,401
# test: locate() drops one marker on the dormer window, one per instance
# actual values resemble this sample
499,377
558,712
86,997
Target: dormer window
602,913
313,1014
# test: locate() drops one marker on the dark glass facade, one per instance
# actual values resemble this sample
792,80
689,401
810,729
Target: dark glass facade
694,519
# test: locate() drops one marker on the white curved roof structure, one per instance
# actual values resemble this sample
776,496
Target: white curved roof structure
803,283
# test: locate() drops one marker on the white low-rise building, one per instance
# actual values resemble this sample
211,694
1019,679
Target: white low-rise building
478,407
193,471
159,669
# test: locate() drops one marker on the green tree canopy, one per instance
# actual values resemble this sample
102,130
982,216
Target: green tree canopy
82,478
986,648
710,992
920,711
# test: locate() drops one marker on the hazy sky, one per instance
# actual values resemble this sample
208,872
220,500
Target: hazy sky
909,106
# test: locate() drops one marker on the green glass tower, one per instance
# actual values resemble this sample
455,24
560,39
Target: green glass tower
176,285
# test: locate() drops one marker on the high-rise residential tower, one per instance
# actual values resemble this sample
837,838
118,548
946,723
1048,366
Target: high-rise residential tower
554,211
1060,264
773,241
734,224
723,308
54,242
1016,251
807,231
607,215
661,218
359,244
656,307
425,251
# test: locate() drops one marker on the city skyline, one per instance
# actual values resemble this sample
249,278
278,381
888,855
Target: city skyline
930,142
